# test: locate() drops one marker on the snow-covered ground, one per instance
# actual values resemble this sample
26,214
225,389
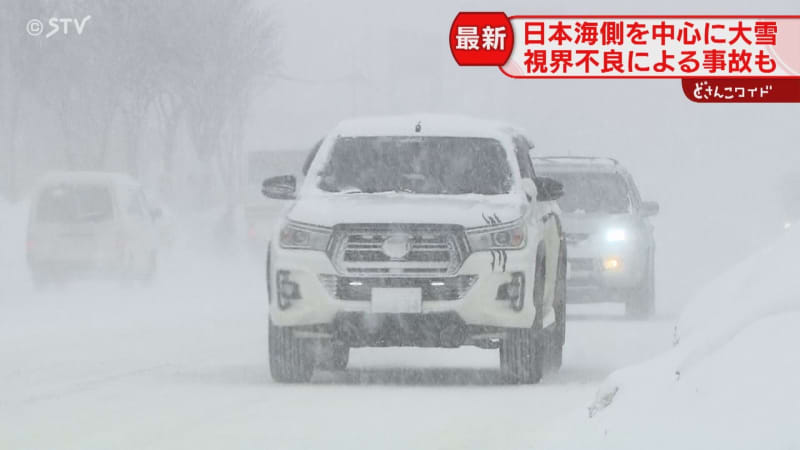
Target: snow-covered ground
732,380
182,364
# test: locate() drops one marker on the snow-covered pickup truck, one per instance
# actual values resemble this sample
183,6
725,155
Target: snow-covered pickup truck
423,230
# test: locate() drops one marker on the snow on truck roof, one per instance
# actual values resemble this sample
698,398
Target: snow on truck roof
424,125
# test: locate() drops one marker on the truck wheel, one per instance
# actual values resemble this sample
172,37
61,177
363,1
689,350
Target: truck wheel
641,302
334,356
557,335
291,360
522,351
522,355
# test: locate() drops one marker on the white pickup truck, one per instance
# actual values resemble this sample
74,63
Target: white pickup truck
421,230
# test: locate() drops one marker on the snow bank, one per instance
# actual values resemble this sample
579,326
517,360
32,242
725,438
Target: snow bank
731,380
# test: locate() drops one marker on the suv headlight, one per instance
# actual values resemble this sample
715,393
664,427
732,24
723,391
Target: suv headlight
307,237
620,235
616,235
502,237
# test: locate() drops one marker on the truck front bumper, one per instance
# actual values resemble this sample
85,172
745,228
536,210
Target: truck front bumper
470,296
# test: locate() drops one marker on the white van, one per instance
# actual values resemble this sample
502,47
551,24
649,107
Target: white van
91,223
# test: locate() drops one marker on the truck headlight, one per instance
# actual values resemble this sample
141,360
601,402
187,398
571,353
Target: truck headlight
616,235
501,237
307,237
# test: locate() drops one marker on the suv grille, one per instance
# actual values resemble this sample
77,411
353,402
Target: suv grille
582,264
430,249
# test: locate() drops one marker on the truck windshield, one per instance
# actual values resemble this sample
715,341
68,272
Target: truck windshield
420,165
592,192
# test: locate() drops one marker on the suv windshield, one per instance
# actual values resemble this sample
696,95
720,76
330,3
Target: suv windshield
592,192
420,165
71,204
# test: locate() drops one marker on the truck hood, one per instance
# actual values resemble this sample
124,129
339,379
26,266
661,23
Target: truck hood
467,210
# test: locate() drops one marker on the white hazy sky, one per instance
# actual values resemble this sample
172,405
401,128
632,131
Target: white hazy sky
714,168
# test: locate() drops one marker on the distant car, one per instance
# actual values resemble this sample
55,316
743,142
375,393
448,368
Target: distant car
419,230
609,237
91,224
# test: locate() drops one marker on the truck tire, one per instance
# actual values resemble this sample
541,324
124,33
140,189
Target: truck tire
522,351
641,302
557,334
291,360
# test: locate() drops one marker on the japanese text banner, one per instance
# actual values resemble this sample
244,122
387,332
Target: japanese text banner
653,47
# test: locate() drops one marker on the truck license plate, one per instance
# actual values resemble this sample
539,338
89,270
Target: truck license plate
396,300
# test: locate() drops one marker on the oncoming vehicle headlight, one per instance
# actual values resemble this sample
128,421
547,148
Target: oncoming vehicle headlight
307,237
501,237
616,235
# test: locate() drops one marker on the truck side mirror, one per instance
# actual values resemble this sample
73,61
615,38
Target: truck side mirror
281,187
548,189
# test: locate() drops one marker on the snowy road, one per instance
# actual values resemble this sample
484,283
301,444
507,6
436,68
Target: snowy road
182,364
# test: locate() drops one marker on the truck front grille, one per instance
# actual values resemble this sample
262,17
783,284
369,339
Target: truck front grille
358,249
